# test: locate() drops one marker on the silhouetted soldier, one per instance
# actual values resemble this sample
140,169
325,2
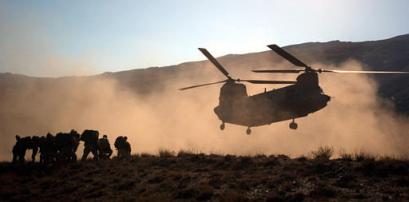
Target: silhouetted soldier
90,138
50,149
118,144
21,146
67,144
43,149
18,150
123,147
104,148
34,145
127,148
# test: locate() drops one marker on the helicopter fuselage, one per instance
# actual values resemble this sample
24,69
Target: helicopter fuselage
299,99
286,103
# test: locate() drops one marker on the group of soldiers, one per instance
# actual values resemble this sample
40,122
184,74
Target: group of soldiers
62,147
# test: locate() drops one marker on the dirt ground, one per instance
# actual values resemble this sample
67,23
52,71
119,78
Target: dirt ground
199,177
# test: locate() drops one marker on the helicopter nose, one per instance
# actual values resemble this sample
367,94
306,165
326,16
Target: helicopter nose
327,98
324,99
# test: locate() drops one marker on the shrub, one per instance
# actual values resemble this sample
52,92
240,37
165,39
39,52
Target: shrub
282,156
301,158
346,157
323,153
185,153
146,155
361,156
166,153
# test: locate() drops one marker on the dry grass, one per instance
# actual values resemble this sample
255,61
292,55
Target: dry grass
192,176
362,156
166,153
323,153
343,155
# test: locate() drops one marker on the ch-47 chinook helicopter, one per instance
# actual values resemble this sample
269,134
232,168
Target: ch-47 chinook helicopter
302,97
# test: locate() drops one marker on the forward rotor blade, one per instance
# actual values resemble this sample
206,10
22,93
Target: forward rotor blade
205,84
268,82
287,56
362,72
215,62
296,71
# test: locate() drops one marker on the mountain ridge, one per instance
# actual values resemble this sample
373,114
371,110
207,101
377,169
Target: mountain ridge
404,37
385,54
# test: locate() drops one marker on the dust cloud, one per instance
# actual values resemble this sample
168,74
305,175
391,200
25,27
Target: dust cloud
355,119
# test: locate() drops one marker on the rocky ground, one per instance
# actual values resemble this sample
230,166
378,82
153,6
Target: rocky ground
191,177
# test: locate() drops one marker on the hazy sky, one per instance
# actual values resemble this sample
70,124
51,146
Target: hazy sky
54,38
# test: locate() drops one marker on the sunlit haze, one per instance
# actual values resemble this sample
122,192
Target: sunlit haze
58,38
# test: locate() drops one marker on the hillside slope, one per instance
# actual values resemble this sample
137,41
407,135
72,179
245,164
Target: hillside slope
198,177
389,54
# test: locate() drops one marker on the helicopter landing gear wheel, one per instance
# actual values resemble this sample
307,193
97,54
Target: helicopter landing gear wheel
248,131
293,125
222,126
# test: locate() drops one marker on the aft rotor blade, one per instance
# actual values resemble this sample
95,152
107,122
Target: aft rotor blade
362,72
215,62
296,71
205,84
287,56
268,82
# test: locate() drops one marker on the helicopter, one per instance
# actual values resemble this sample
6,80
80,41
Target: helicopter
302,97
